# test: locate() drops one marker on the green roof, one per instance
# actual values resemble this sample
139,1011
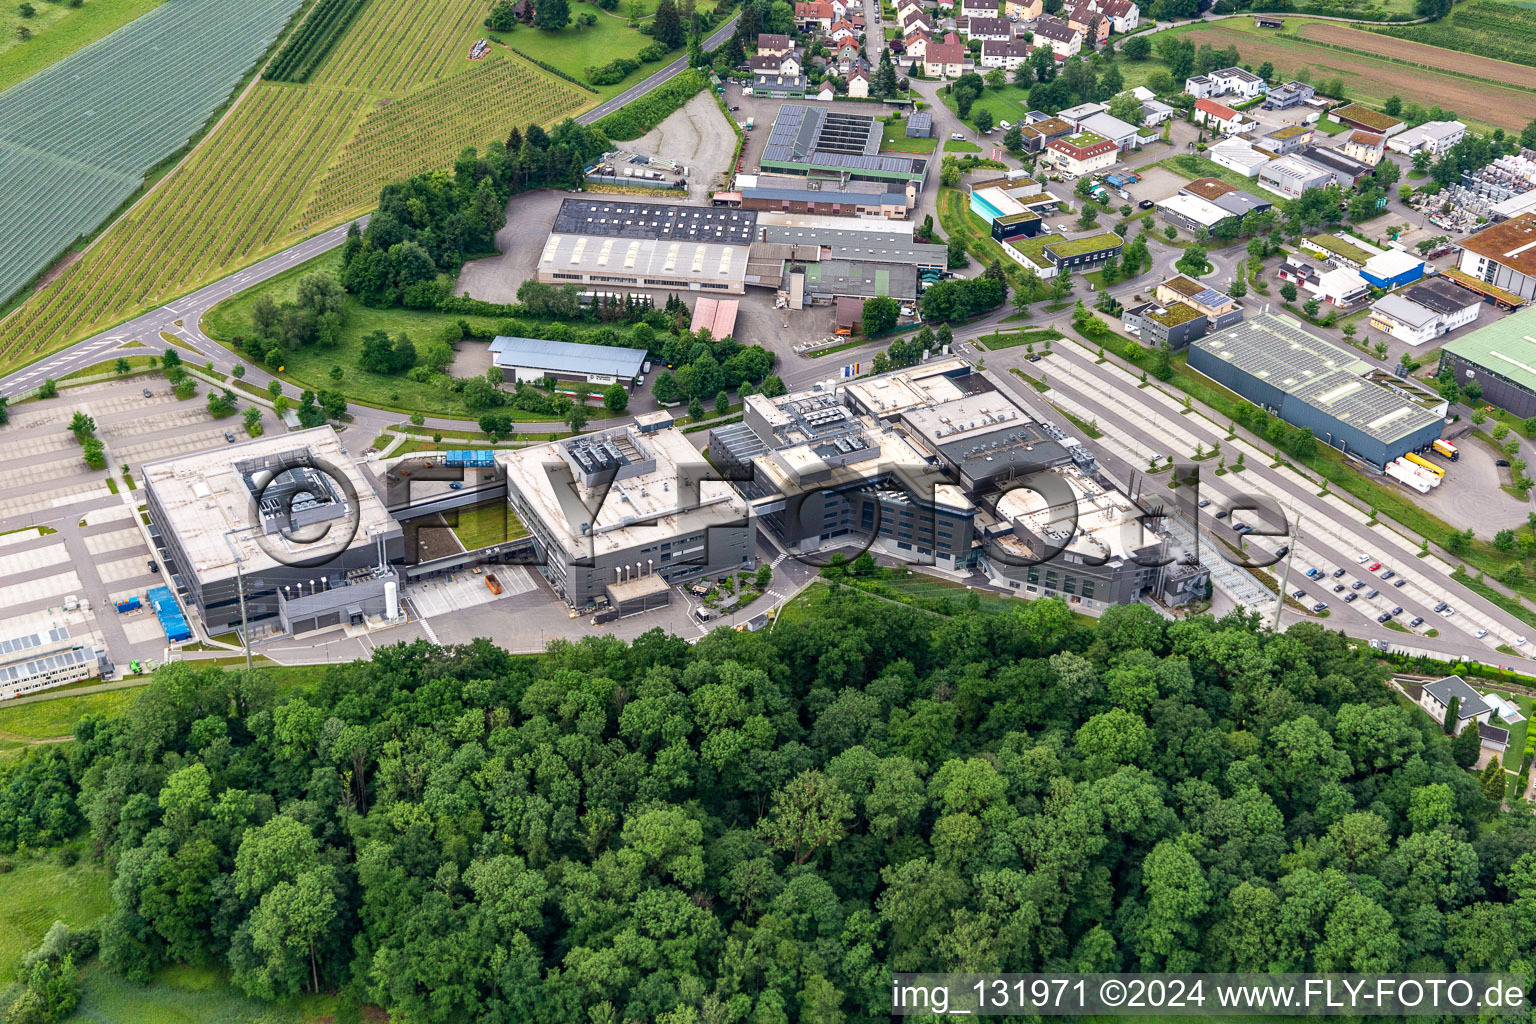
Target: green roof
1082,140
1290,131
1079,246
1366,116
1338,246
1175,313
1504,348
1015,218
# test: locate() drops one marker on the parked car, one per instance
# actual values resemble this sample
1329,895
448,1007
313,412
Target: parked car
229,437
154,566
1350,597
1362,559
1416,621
456,485
1338,588
1501,462
1397,611
148,393
1384,617
1314,573
1337,573
1388,574
957,136
1373,593
1222,514
1320,606
1283,551
1519,641
1448,613
1204,502
1480,633
1358,585
1400,582
1298,594
1145,204
1442,606
1374,566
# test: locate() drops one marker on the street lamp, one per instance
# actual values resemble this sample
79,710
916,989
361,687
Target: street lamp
245,636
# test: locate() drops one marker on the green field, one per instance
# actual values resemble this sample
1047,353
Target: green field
188,995
58,30
39,892
289,161
573,50
483,525
55,719
894,137
310,367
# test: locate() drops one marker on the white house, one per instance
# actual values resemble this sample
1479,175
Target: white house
1432,137
1222,118
1235,82
1155,112
1340,287
786,64
1063,39
993,29
1425,311
1008,55
1237,155
1075,115
1436,698
1123,15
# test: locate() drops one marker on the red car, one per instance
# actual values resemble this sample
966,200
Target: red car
1375,566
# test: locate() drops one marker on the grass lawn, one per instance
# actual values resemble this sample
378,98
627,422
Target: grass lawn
1009,103
310,367
41,891
55,719
188,995
957,146
483,525
1328,126
137,364
58,30
894,137
1192,166
1012,339
573,50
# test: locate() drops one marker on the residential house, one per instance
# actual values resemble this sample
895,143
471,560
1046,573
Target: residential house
1238,155
827,92
1291,176
1235,82
1083,153
841,30
945,60
848,55
1023,10
916,19
1076,114
788,64
916,43
1221,118
858,84
1124,15
1346,171
1425,311
1357,116
1007,55
814,15
997,30
1432,137
1291,94
1051,128
1155,112
1291,138
1063,40
977,9
1436,698
1337,286
1504,255
770,44
1367,147
1117,131
1086,19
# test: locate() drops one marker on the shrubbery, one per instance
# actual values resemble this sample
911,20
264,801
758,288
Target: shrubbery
640,116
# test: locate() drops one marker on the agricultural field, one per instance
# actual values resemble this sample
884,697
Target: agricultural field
314,40
1473,90
58,30
291,160
1503,32
77,138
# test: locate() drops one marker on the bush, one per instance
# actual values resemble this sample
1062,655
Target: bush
613,72
639,117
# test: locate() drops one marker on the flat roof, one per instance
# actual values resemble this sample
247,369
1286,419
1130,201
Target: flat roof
928,383
894,245
619,218
1366,116
1098,524
1507,347
652,496
1208,188
206,494
1194,208
645,257
1511,244
1442,296
567,356
1350,248
859,278
1405,311
1277,350
1196,292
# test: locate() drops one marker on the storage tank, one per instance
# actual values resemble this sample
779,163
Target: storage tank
391,600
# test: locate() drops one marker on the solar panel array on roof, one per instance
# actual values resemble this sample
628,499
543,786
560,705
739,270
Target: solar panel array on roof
824,138
622,219
15,645
42,666
920,125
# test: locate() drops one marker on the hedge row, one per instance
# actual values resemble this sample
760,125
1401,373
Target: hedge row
640,116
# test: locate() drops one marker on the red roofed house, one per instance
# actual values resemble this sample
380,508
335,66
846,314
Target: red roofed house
1085,19
817,14
1083,153
1367,147
946,59
1224,119
842,29
917,43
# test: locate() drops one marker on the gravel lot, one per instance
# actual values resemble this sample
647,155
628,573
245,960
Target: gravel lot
696,136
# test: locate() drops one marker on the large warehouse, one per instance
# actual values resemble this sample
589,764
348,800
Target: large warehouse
292,515
537,358
833,144
608,243
1308,382
1501,358
609,509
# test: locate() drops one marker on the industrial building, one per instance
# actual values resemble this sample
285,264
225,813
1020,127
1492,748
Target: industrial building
617,243
1191,212
287,517
1048,255
1501,358
47,649
1504,256
832,144
619,506
533,359
935,463
1308,382
1425,311
790,193
1167,325
1011,206
1220,309
1290,176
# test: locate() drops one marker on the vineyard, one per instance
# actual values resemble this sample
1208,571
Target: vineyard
430,125
314,40
77,138
1485,27
398,45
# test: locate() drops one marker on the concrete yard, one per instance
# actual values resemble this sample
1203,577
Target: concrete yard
698,137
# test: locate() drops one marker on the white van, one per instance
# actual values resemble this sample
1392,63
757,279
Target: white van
1004,125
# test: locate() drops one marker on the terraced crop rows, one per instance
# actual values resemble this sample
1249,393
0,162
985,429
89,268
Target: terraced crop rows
77,138
399,44
232,201
314,40
430,126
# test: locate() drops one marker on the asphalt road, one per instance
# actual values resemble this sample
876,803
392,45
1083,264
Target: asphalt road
666,74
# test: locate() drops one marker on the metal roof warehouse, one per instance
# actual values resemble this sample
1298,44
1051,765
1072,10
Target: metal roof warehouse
1308,382
531,358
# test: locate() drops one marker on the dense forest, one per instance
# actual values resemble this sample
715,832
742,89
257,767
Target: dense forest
759,827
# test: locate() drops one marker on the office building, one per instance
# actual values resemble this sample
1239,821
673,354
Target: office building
621,505
1425,311
43,650
288,516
